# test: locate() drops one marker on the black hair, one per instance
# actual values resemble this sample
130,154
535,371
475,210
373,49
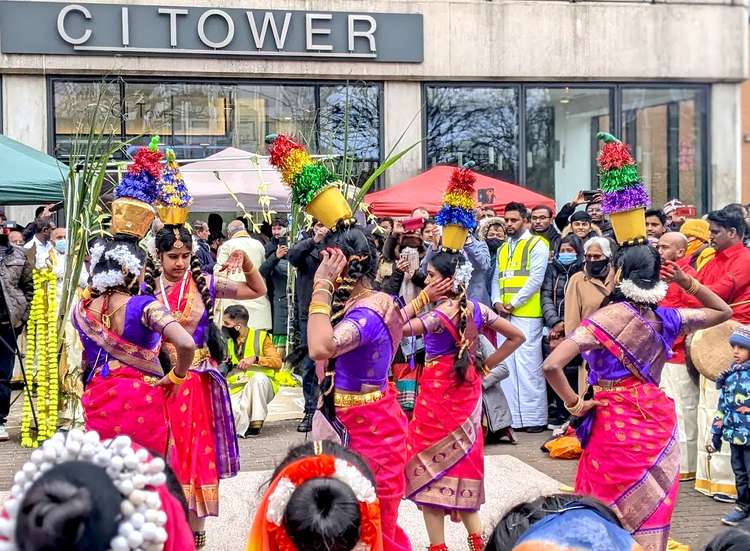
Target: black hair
580,216
543,207
164,240
446,264
519,519
323,513
520,208
657,213
574,241
733,539
42,224
237,312
640,264
386,219
105,264
362,255
74,505
730,217
279,221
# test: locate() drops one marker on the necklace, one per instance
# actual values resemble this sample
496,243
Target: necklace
177,313
362,293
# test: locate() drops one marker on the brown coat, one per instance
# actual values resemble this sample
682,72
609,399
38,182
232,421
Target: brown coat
584,296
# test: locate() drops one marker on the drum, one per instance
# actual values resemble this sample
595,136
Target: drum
709,351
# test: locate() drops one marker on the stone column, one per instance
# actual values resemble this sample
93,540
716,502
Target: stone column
726,141
402,114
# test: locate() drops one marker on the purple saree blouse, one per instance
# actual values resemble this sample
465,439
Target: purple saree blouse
438,341
145,320
618,342
366,340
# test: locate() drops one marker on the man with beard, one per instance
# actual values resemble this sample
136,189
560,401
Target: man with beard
516,295
675,378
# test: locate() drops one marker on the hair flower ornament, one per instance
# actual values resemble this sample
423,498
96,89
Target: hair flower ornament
462,276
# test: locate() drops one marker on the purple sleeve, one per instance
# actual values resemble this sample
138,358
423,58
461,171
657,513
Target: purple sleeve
584,338
489,316
691,320
359,326
431,322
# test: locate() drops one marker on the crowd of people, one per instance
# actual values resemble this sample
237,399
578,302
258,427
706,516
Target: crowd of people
399,332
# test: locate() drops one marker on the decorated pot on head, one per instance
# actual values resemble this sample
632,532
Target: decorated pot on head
456,216
314,187
135,195
625,199
173,199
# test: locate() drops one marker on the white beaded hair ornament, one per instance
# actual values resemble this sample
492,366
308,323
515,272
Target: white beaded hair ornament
135,474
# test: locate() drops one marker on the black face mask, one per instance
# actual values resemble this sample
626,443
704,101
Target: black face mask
597,268
231,332
494,244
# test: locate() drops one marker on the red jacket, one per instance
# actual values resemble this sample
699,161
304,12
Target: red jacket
677,297
728,275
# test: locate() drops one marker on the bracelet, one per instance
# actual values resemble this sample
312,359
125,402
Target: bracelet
695,285
329,293
424,297
576,409
319,308
417,305
328,281
252,271
175,378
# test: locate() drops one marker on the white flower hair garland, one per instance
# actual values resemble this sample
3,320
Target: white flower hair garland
105,280
462,276
125,258
643,296
96,253
134,474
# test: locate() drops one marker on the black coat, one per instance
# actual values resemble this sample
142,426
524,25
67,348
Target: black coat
305,256
555,282
275,271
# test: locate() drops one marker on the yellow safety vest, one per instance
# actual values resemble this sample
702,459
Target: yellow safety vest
237,379
514,271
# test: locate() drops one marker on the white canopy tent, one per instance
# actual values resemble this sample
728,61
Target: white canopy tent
221,180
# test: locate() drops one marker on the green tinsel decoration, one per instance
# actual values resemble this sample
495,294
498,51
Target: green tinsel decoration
313,179
614,180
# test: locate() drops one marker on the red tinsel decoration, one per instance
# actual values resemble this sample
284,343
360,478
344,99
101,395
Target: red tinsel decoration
614,155
150,161
280,148
462,181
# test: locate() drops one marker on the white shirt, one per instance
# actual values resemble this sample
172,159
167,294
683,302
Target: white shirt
42,251
539,258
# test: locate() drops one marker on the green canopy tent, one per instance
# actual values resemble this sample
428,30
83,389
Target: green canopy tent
28,176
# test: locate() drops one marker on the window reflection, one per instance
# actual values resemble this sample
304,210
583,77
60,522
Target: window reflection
665,129
78,105
473,124
561,145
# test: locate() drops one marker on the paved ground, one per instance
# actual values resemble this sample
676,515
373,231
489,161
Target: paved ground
695,520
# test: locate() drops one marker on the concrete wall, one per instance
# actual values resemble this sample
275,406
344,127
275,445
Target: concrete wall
725,139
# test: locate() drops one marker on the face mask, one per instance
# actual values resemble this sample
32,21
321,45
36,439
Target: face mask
494,244
566,259
597,268
231,332
61,245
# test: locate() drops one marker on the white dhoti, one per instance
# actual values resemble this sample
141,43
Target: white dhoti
678,385
250,405
715,476
525,388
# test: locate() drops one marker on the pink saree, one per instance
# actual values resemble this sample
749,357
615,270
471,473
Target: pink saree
120,396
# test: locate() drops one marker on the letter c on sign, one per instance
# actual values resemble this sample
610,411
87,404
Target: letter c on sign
61,24
202,28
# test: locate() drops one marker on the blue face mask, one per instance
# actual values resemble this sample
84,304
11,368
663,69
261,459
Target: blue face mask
566,259
62,246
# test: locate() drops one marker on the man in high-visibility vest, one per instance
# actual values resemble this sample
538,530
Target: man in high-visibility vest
516,295
254,364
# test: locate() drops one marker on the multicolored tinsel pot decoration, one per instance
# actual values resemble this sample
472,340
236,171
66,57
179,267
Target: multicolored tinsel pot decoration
140,182
173,198
41,351
619,178
313,186
457,213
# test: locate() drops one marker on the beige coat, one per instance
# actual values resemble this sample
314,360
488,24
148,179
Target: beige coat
584,296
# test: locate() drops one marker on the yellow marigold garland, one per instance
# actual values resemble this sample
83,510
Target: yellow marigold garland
41,350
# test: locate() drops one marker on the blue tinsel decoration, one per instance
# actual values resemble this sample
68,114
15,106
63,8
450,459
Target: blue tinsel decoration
456,215
141,186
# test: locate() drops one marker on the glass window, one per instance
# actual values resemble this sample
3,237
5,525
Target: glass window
195,119
473,124
665,128
349,124
78,105
561,145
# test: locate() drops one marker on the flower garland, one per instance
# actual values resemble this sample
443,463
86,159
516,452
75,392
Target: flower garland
41,350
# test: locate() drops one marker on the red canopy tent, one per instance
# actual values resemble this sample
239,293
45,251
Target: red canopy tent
426,190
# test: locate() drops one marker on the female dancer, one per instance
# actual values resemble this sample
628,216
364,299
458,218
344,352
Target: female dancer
205,444
359,349
445,471
631,459
121,335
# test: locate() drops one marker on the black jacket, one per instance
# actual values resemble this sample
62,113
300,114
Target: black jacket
305,256
275,271
555,282
205,257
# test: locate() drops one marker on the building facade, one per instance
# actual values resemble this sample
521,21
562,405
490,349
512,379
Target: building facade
519,87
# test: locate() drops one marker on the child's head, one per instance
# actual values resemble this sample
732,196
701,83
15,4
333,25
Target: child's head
740,341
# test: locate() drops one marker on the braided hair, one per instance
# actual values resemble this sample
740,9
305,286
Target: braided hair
361,252
164,241
446,263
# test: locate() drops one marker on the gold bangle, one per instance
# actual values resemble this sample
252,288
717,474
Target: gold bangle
328,281
175,378
319,308
576,409
329,293
424,296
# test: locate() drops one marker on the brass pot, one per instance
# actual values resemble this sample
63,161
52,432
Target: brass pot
131,217
173,216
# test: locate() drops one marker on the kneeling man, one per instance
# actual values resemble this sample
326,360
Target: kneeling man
253,364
